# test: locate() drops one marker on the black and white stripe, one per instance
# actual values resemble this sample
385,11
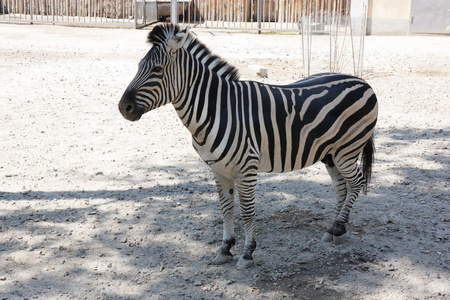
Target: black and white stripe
241,128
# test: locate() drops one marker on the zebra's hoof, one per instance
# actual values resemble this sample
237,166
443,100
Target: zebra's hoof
337,240
244,263
327,237
222,259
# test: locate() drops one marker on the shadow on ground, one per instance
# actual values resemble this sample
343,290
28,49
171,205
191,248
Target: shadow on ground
158,242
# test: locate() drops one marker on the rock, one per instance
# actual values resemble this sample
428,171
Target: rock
260,70
263,73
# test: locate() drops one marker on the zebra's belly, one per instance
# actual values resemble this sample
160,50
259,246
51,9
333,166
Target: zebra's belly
286,161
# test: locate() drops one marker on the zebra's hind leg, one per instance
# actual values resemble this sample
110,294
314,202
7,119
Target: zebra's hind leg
337,232
354,177
225,187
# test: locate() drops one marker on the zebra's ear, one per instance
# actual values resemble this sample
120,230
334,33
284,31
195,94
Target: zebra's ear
177,41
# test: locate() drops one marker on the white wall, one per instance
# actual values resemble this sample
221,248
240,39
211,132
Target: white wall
388,17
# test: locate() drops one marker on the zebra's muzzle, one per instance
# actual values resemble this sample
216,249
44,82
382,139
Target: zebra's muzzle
128,107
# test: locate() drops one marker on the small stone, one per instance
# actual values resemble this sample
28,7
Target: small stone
198,283
263,73
2,278
260,70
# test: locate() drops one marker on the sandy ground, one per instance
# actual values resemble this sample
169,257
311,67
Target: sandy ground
95,207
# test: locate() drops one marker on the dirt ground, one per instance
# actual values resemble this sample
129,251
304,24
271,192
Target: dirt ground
95,207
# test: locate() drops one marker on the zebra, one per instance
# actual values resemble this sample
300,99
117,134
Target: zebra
242,128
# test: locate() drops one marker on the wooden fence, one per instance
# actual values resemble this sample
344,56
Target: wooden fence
269,10
122,9
124,12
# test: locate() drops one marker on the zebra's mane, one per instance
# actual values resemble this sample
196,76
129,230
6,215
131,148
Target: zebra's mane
161,34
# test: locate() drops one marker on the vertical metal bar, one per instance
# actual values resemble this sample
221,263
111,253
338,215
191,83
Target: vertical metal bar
286,13
106,10
217,12
362,39
258,16
224,13
195,8
192,14
252,11
246,13
303,38
83,9
174,12
78,10
31,11
263,13
101,6
198,6
208,12
189,13
135,14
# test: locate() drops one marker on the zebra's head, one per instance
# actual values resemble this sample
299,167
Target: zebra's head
153,85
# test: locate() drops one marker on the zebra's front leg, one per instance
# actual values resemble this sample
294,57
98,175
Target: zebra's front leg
225,187
246,186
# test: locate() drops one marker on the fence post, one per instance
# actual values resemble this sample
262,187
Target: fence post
174,12
135,14
31,11
53,11
259,15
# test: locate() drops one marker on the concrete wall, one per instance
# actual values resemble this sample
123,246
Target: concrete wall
388,17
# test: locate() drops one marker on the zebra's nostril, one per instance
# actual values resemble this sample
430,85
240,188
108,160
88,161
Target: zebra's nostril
129,108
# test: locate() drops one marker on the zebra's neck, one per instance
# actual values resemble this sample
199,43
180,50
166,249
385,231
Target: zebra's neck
203,95
204,82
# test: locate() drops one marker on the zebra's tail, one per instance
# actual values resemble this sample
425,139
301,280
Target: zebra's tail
367,159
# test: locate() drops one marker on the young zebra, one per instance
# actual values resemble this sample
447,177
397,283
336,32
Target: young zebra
241,128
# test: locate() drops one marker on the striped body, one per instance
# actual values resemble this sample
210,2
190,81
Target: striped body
280,128
241,128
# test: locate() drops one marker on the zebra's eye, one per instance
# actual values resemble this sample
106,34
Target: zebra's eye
157,69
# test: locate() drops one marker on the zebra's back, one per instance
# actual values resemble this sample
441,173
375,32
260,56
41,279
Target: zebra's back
299,124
